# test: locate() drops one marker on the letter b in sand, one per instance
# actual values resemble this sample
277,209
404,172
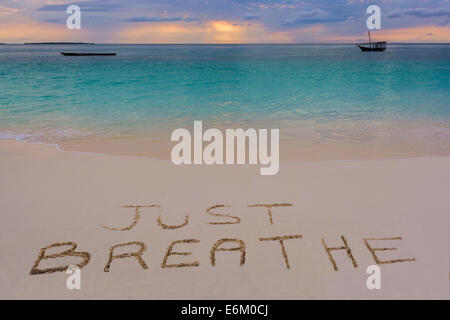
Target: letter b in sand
374,21
374,280
74,280
74,20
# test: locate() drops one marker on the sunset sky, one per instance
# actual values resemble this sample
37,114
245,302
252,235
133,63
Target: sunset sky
223,21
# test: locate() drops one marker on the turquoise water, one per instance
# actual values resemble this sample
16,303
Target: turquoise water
312,92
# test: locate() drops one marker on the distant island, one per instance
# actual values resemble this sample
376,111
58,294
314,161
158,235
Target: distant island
59,43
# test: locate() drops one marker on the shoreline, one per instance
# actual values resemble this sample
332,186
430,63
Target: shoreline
80,148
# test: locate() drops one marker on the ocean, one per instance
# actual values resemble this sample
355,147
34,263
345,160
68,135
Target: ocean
329,101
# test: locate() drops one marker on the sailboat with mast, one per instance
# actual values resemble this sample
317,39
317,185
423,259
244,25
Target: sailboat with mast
372,46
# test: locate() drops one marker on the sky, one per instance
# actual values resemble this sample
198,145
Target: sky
224,21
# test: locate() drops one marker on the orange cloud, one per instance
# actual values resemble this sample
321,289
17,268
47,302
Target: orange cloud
6,10
27,30
38,32
214,31
414,34
303,34
226,32
160,32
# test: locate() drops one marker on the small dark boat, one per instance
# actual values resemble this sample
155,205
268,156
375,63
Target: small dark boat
372,46
79,54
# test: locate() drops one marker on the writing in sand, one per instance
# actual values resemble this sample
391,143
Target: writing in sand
135,250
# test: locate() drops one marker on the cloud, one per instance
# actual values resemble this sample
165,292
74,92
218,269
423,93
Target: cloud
424,33
222,21
160,19
27,30
314,16
84,6
420,13
305,34
210,31
309,14
443,23
6,10
251,16
53,20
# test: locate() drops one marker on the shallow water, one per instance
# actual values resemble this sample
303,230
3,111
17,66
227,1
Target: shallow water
320,96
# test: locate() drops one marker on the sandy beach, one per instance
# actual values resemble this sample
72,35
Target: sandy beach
52,197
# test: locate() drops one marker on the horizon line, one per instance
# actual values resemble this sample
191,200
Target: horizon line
212,43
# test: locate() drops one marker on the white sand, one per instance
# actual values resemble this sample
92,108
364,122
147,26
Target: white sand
47,196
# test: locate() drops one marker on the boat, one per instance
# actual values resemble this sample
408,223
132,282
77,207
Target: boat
372,46
79,54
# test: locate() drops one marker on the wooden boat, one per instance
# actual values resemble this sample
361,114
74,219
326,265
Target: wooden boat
372,46
79,54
